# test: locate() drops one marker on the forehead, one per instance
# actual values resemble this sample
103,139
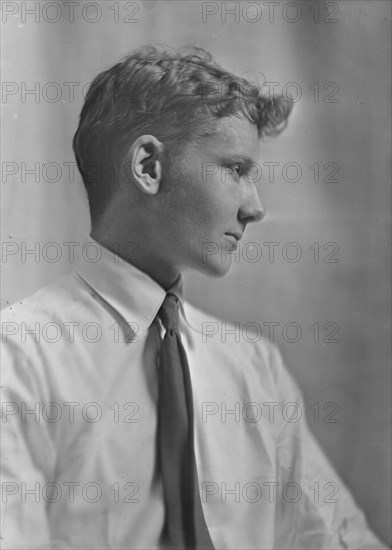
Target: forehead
233,135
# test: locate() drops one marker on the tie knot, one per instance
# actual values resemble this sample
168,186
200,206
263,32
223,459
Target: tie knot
169,312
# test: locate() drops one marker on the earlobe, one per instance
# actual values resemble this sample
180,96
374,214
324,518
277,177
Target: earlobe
146,164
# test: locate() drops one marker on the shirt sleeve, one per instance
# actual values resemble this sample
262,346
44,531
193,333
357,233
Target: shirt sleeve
28,457
315,509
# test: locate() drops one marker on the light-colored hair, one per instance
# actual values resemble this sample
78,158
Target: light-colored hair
177,96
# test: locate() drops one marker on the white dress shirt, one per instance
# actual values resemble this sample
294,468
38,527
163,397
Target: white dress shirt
79,424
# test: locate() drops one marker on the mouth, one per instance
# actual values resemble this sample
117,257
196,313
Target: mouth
234,239
237,236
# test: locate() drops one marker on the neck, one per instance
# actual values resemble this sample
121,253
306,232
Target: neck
137,254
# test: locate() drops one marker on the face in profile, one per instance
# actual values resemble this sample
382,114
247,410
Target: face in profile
209,197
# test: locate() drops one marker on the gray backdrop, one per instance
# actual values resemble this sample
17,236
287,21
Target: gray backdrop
329,192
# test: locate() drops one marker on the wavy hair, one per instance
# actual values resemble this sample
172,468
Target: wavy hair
175,96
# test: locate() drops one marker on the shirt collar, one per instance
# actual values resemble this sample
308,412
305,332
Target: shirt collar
127,289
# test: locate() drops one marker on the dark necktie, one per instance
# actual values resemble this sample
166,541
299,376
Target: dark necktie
185,526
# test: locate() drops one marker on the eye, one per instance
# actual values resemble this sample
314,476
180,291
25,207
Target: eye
251,172
238,169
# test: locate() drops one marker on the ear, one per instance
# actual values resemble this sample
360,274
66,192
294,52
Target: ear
145,163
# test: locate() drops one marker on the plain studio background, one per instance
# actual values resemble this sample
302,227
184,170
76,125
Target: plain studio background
336,55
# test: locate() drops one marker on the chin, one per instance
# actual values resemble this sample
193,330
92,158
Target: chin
215,268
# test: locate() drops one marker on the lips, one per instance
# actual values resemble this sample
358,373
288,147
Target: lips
233,240
236,235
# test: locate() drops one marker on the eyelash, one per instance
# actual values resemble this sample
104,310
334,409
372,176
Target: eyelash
241,170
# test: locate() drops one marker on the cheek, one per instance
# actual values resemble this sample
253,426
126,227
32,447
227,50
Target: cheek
221,199
218,194
207,210
202,204
195,205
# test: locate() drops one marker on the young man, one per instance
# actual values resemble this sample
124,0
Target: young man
113,392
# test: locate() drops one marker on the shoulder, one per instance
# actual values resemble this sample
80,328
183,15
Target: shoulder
31,326
49,303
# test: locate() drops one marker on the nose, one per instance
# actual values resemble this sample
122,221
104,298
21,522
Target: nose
251,209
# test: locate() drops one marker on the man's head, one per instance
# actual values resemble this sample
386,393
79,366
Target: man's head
164,145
